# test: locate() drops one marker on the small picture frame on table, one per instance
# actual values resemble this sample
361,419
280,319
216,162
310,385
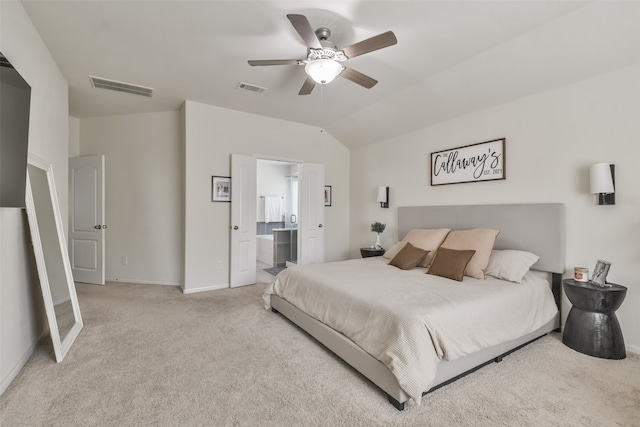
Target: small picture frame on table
599,277
220,189
327,195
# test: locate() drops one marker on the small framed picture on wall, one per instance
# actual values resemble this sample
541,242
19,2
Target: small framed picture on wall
327,195
220,189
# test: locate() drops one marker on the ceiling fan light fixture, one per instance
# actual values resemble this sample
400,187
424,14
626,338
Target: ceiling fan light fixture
323,61
323,71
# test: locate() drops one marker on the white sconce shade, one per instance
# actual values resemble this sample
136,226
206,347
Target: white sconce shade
323,71
601,182
383,196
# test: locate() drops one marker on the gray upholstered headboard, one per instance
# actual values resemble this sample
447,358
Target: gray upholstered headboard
537,228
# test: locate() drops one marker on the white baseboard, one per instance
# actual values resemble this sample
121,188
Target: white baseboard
6,381
144,282
633,349
204,288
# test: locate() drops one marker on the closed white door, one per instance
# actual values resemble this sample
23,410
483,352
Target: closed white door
243,221
86,219
311,225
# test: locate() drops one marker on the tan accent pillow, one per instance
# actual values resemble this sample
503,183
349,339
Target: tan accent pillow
425,239
393,250
480,240
408,257
450,263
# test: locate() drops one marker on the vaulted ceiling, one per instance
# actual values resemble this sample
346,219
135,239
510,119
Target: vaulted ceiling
452,57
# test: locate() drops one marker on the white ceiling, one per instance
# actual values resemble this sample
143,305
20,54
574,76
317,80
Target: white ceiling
452,57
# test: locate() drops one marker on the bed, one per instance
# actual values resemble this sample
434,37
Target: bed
367,311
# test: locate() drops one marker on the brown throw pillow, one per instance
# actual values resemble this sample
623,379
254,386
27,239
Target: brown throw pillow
425,239
450,263
408,257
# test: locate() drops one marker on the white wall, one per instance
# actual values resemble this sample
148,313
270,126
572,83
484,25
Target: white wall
74,137
22,317
212,134
21,306
48,123
551,140
143,193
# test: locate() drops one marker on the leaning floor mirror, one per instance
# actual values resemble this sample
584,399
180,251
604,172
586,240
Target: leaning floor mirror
52,259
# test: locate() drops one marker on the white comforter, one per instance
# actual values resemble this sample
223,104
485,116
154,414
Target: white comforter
410,320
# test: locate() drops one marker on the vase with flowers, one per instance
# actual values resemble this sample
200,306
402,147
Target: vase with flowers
378,228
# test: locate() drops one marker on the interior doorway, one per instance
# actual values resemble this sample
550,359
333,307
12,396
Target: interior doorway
86,219
277,213
308,236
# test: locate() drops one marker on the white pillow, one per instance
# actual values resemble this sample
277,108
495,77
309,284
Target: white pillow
510,265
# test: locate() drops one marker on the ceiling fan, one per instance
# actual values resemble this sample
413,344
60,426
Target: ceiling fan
324,61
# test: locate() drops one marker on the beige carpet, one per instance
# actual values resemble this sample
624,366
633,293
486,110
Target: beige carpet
149,355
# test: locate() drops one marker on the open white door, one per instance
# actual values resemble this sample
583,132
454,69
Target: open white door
310,227
86,219
243,221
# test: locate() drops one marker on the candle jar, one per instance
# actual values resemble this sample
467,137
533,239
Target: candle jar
581,274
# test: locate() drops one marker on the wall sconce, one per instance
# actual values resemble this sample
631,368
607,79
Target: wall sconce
383,196
602,178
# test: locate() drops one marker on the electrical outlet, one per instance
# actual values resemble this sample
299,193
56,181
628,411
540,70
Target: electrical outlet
219,265
125,260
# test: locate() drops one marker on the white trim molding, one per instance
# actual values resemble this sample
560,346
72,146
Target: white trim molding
144,282
13,373
204,289
633,349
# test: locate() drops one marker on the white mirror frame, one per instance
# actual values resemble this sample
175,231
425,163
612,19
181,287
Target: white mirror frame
60,347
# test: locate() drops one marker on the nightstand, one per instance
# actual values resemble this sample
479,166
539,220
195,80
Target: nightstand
592,326
369,252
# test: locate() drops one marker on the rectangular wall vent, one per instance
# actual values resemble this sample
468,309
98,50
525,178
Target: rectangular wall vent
250,87
101,83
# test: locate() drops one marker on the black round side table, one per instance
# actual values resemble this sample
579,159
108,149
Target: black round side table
592,326
369,252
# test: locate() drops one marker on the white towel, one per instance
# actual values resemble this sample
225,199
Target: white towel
272,209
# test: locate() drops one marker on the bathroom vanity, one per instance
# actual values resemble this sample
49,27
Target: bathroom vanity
285,246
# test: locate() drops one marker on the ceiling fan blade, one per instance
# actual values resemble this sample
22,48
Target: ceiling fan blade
359,78
369,45
307,87
303,27
274,62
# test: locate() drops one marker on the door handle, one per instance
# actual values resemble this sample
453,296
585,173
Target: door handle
319,225
235,227
104,227
98,227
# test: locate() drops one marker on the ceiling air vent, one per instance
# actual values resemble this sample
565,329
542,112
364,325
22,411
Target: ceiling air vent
101,83
250,87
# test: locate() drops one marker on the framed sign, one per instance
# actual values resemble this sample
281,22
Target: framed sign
220,189
472,163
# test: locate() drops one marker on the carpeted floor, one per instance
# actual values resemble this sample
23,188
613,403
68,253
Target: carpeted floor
151,356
